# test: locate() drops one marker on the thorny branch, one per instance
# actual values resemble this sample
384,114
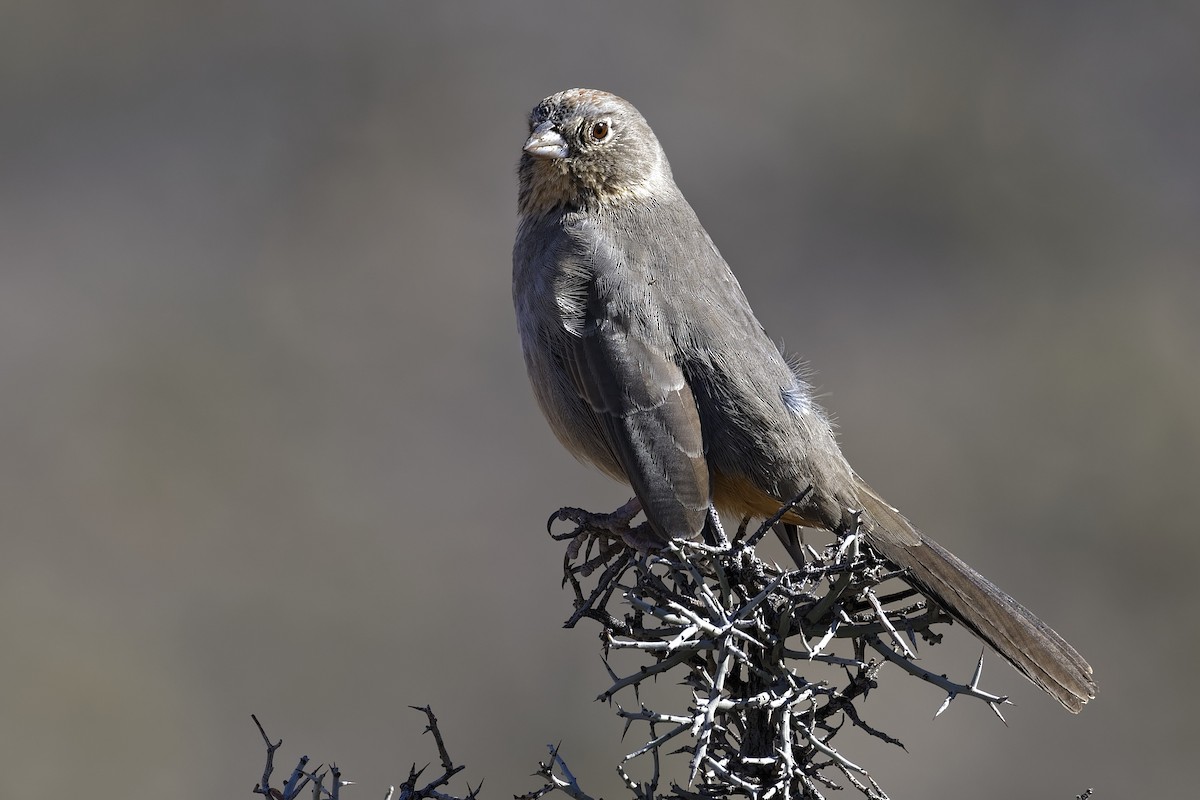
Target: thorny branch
756,645
301,776
776,661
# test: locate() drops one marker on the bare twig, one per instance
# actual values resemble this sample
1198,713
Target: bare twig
728,623
327,783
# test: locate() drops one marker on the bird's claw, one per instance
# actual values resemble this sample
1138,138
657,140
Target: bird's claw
609,531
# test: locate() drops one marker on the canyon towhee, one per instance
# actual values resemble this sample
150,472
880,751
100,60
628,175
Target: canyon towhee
648,362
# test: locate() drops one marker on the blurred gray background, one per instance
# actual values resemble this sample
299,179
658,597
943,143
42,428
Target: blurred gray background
268,444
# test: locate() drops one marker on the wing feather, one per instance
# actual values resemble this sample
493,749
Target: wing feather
622,362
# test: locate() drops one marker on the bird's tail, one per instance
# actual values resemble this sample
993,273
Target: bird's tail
1012,630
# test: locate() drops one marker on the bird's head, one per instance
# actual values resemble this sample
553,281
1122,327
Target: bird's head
588,148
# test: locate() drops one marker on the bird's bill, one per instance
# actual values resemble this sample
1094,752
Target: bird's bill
545,142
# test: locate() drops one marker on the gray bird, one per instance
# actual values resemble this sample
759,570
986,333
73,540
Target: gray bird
648,362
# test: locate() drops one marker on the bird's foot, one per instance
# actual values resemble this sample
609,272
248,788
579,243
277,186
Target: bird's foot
610,533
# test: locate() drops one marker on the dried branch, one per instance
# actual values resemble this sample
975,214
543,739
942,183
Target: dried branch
748,637
328,782
776,661
566,784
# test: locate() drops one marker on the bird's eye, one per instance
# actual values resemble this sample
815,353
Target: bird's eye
600,130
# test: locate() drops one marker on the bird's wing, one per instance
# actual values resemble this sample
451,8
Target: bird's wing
620,360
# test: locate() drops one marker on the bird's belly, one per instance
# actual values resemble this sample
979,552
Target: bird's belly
737,495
